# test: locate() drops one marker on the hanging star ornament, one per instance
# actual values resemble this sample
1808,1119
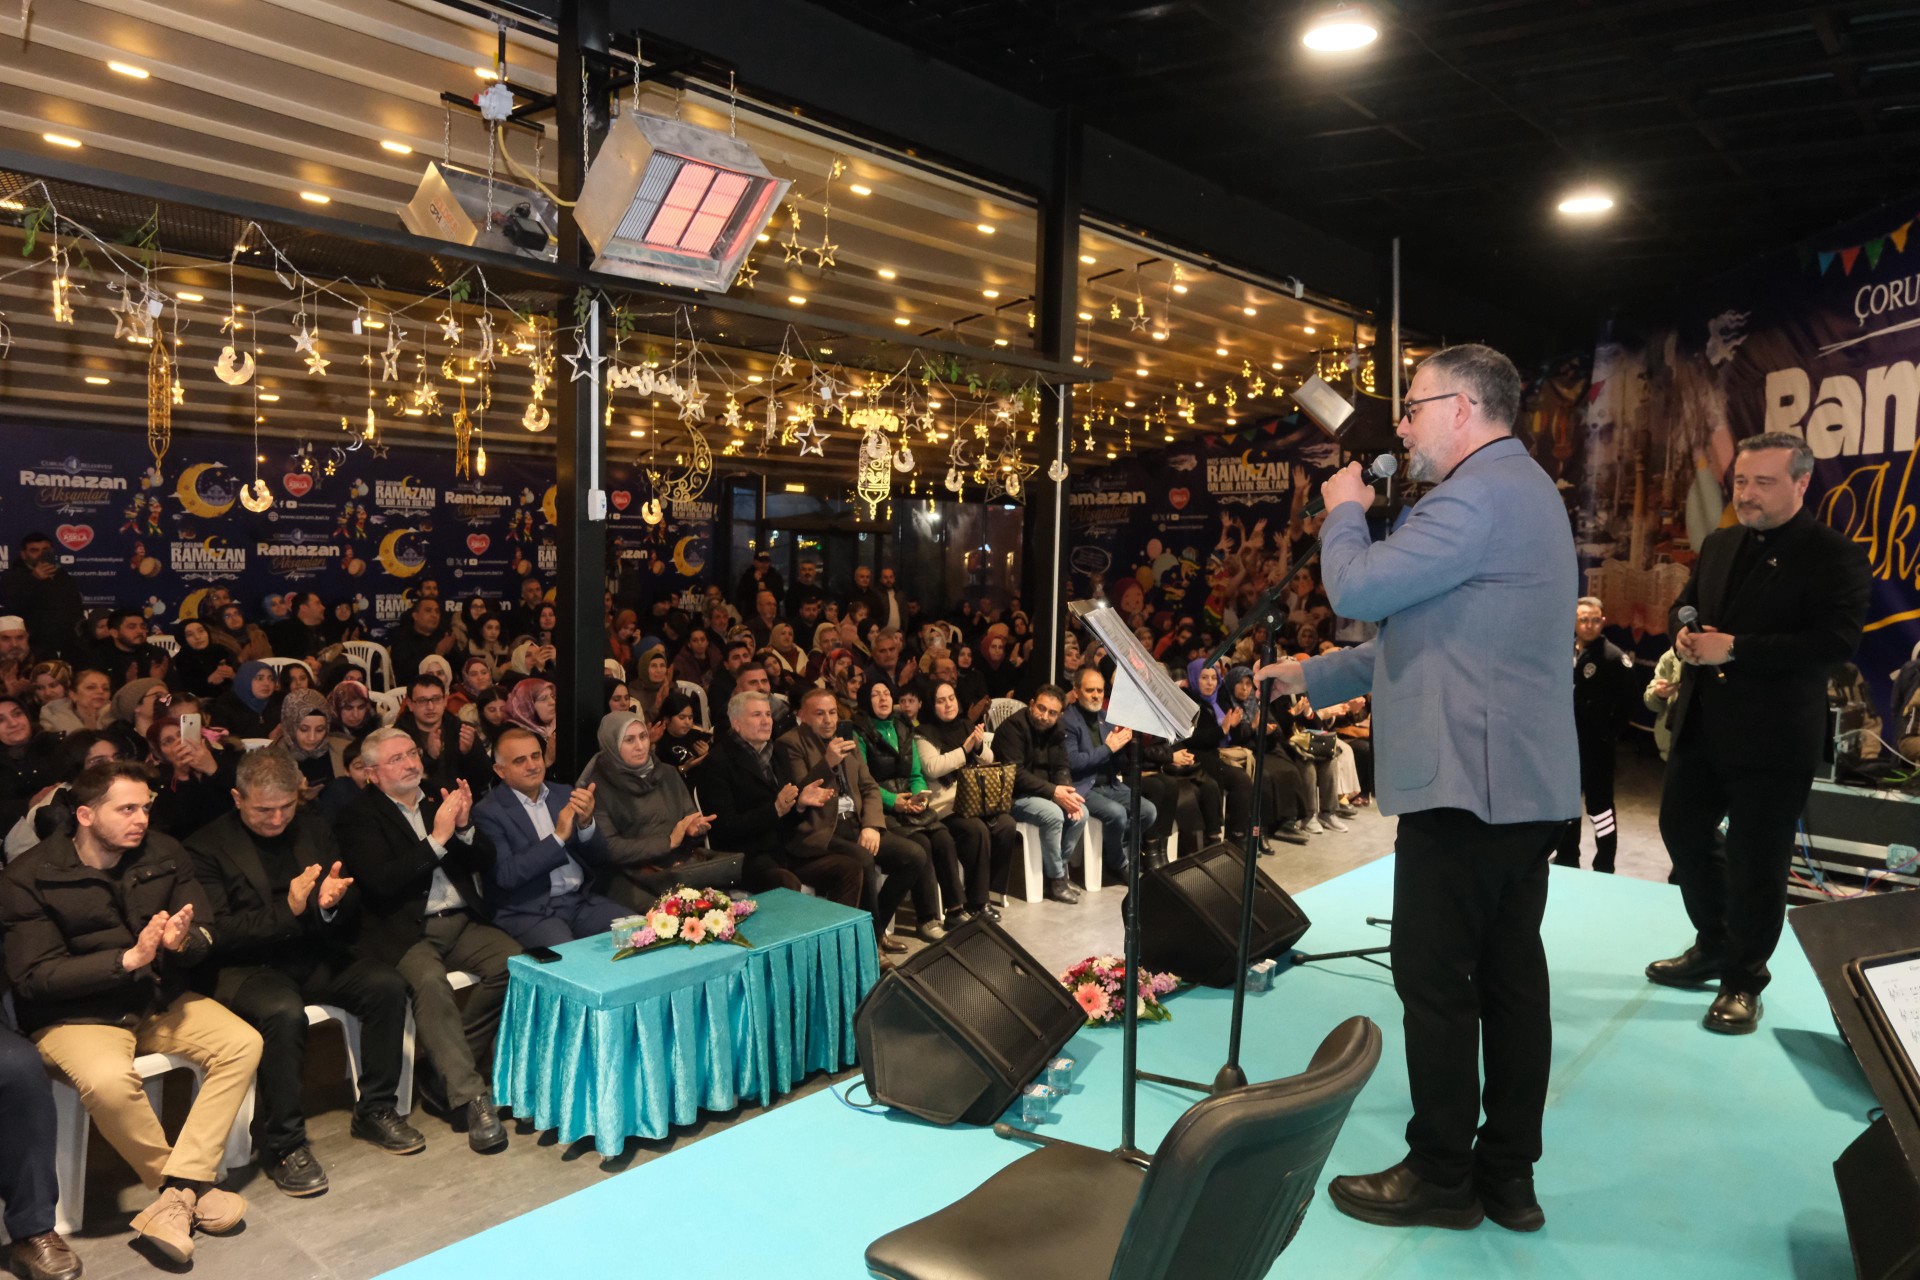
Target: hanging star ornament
449,327
317,365
747,273
783,367
303,338
390,355
824,255
812,440
584,363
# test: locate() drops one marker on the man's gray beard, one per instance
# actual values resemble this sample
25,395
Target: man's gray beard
1423,468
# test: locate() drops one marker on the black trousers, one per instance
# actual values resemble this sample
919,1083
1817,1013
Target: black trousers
885,878
955,868
1736,894
1194,803
1596,787
27,1180
1168,793
273,1001
1000,837
458,1045
1472,977
1236,790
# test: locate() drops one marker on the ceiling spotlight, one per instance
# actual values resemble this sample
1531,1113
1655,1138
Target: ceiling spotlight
1130,404
128,70
754,377
269,397
1276,364
191,297
374,324
1079,359
1140,373
765,237
1159,335
860,189
985,228
637,432
999,342
1341,29
989,293
887,273
398,148
98,382
903,320
797,300
314,197
1306,328
1086,315
1249,311
1179,288
1219,351
935,404
486,73
61,140
1087,258
1586,203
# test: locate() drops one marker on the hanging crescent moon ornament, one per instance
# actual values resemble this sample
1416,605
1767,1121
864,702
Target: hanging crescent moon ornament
232,368
536,418
256,496
650,511
903,460
955,482
1057,470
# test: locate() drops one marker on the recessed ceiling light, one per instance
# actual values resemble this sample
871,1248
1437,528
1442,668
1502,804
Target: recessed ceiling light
1159,335
128,69
756,378
1341,29
1140,373
796,300
13,206
826,351
1086,315
1219,351
314,197
465,379
765,238
1276,364
486,73
269,397
999,342
1249,311
1179,288
1130,404
1231,421
935,404
398,148
795,488
1586,203
984,228
98,381
860,189
636,433
191,297
1087,258
1112,454
989,293
1306,328
416,413
374,324
903,320
61,140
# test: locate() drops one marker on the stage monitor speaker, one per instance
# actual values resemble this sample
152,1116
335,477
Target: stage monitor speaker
1190,916
956,1032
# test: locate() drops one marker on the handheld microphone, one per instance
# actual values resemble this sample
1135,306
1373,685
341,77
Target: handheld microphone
1689,619
1384,467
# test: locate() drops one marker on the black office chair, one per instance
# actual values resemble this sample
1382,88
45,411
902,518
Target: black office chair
1223,1197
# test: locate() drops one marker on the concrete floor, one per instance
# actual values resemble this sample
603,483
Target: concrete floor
384,1210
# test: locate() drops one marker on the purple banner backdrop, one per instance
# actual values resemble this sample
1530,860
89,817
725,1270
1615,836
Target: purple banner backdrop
1821,342
373,531
1195,529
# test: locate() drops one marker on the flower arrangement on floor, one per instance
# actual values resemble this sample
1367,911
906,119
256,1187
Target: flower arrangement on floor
692,917
1098,985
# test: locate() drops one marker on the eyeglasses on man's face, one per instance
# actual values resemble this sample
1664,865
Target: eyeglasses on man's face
1408,406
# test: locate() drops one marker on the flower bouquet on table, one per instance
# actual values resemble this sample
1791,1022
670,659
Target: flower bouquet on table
1098,985
691,917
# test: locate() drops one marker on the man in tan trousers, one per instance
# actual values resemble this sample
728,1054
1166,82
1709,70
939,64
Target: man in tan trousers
103,927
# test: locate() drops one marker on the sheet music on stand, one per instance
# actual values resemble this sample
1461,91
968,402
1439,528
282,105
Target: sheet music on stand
1144,697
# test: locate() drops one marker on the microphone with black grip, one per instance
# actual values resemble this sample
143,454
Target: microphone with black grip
1383,467
1689,619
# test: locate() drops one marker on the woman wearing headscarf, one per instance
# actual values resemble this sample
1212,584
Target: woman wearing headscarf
306,729
202,667
439,668
242,710
793,659
644,810
885,741
1208,736
841,674
353,715
344,622
232,632
1286,797
652,680
945,743
533,705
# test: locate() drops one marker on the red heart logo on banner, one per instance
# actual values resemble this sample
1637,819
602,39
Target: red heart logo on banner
478,543
620,499
74,536
1178,497
298,483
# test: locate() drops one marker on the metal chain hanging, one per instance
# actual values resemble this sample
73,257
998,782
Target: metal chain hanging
446,139
733,106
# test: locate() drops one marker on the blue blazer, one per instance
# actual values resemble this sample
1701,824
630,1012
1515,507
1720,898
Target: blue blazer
522,860
1087,753
1470,675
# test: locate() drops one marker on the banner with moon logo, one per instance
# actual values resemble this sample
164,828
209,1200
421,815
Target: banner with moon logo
373,531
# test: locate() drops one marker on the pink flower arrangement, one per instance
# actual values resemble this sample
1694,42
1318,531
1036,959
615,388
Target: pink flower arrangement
1098,986
694,917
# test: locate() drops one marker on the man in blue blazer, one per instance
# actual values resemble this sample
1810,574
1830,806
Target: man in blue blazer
1476,753
1095,755
544,842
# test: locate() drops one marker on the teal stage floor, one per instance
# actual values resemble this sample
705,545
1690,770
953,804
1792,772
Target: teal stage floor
1669,1151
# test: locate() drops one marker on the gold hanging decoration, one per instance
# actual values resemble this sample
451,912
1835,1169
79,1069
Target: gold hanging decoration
160,397
462,437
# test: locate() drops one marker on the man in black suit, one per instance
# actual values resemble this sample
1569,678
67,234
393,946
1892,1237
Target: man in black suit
302,633
753,808
286,915
1780,600
418,861
421,634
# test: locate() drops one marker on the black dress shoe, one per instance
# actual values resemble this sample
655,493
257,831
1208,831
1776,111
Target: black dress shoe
43,1257
1691,968
1399,1197
383,1127
1734,1013
485,1133
891,946
297,1173
1511,1203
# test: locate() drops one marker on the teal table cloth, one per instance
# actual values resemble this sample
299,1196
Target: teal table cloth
625,1049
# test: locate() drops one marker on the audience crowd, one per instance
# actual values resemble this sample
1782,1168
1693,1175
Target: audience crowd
208,831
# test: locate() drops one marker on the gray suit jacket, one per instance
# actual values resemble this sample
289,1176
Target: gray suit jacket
1472,691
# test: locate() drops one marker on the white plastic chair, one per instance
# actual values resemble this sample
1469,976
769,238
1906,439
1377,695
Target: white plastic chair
350,1033
255,744
699,697
281,664
376,659
999,709
168,644
388,704
72,1124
